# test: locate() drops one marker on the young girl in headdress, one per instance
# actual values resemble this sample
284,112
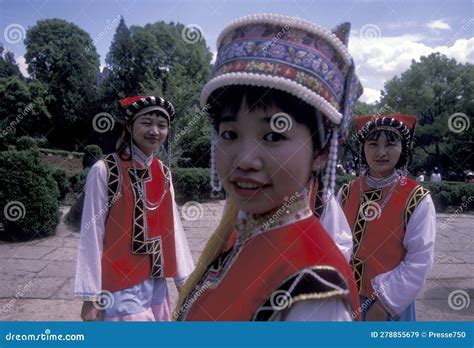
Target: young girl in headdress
393,220
278,107
131,235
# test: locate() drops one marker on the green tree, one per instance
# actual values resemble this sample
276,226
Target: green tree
62,56
434,89
23,108
155,60
8,65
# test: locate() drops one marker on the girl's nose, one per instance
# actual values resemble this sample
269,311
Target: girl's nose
153,130
381,150
248,157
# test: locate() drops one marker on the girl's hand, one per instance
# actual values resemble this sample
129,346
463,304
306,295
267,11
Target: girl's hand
90,313
376,312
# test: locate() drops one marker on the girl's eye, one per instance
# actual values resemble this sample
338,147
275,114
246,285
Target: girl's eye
146,123
228,135
372,144
274,137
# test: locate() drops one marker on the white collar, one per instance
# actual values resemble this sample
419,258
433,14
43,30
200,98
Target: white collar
140,157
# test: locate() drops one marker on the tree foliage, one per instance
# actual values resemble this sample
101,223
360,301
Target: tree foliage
61,55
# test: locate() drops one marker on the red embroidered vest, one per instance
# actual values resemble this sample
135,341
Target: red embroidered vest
138,243
261,266
378,238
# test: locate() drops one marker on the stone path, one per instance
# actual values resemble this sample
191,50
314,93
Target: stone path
37,277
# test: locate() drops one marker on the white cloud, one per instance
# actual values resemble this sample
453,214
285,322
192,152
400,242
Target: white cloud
370,95
214,56
439,24
383,58
23,66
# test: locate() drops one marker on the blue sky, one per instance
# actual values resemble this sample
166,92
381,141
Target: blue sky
386,35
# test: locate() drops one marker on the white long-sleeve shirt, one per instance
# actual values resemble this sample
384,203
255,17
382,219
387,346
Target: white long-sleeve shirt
399,287
335,223
88,282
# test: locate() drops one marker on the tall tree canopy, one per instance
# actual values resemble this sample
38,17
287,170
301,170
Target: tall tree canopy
437,90
63,57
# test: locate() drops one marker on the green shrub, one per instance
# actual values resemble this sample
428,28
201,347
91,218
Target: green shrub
191,183
77,181
451,195
92,153
42,141
62,153
62,180
29,197
342,179
25,143
446,195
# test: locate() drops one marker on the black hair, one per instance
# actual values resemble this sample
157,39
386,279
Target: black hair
405,155
227,100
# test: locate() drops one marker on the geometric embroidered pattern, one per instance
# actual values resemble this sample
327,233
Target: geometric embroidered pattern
358,233
345,190
312,283
114,179
415,198
140,245
319,203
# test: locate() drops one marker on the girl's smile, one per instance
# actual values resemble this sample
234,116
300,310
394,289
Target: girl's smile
149,132
382,154
258,166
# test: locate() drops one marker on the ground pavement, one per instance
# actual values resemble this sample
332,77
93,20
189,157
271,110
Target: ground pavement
37,277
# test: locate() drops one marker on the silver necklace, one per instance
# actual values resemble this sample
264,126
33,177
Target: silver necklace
147,205
384,202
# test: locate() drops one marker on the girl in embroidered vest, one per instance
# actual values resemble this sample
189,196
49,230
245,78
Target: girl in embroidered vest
131,235
393,220
277,117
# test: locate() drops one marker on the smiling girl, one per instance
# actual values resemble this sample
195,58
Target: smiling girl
277,116
131,235
393,220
